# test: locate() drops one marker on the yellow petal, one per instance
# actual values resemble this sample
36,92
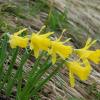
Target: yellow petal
47,34
19,32
66,40
43,27
53,58
83,53
89,43
61,35
95,57
36,52
31,46
72,80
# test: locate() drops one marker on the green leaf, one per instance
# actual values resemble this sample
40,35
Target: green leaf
18,74
10,68
3,55
33,80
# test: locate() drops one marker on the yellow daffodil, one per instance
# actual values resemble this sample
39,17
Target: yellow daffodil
19,41
89,54
40,42
84,52
59,48
82,70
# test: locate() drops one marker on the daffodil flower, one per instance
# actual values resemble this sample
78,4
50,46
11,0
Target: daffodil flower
19,41
40,42
82,70
89,54
59,48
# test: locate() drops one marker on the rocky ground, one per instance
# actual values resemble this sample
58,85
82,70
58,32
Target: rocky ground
81,18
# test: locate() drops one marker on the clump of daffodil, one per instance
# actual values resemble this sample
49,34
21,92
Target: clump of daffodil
89,54
58,48
40,42
82,70
16,40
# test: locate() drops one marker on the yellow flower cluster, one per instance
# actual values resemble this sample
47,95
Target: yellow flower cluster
38,42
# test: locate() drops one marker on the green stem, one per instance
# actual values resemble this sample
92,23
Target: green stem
41,83
34,69
18,75
33,80
3,55
49,16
